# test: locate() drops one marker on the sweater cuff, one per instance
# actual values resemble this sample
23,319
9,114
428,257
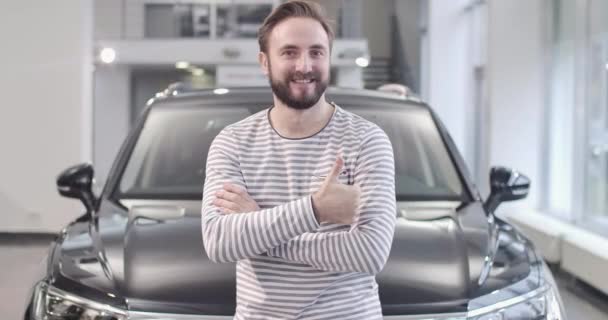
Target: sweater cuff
309,213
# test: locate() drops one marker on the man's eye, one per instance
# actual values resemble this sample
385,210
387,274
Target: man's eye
289,53
317,53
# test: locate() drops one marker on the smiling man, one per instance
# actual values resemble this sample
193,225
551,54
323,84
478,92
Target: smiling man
301,195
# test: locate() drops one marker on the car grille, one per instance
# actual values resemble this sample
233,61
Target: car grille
165,316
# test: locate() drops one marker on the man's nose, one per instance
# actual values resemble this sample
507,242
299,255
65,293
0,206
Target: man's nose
303,64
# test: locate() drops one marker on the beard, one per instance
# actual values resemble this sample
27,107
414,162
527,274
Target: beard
282,91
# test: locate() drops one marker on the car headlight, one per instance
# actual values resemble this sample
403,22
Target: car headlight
538,304
51,303
543,302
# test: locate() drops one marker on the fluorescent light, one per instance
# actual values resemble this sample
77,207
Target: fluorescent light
220,91
198,72
107,55
182,65
362,62
606,66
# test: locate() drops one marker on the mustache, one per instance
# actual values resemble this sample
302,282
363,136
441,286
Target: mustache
305,76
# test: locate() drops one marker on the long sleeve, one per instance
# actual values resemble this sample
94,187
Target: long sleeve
232,237
366,246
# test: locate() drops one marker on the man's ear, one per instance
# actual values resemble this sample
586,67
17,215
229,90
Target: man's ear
263,60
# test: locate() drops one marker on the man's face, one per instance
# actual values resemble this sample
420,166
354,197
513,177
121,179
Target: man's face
297,62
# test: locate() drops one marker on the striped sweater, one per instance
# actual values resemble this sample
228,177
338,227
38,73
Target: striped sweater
288,265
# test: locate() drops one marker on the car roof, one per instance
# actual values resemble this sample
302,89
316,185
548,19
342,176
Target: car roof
263,95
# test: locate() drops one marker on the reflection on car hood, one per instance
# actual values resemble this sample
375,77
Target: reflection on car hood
439,259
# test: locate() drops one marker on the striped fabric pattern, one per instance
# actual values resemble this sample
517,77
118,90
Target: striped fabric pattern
288,265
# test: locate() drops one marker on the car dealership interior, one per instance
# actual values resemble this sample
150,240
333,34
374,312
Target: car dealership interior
517,91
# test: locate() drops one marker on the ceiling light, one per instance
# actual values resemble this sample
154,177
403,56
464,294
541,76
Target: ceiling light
220,91
362,62
182,65
198,72
107,55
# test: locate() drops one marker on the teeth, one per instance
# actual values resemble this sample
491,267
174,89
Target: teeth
303,81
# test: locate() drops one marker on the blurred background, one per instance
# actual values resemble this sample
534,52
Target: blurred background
519,83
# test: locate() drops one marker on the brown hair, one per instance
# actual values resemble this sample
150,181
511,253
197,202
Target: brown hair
291,9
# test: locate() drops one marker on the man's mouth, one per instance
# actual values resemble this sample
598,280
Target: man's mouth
303,81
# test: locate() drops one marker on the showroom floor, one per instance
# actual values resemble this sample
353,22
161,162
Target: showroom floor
21,257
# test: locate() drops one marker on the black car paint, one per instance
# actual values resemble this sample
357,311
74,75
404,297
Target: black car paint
160,266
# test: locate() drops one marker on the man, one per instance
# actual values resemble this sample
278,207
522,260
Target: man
301,195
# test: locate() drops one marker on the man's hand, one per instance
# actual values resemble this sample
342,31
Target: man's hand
335,202
234,199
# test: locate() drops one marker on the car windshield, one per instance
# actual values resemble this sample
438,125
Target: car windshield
169,157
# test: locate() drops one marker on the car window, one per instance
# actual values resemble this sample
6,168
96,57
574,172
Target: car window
170,155
171,152
423,167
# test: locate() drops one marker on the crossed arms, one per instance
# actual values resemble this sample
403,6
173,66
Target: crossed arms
288,231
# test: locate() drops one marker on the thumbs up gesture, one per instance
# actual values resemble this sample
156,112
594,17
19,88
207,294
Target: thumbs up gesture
335,202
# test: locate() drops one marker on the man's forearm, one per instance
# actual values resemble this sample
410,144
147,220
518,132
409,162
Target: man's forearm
364,248
232,237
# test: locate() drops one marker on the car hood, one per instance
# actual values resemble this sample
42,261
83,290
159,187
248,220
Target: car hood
440,258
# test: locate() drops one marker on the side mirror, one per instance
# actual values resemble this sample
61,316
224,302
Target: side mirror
506,185
77,182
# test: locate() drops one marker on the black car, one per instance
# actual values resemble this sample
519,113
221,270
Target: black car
137,252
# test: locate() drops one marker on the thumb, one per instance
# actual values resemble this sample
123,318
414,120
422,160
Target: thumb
335,170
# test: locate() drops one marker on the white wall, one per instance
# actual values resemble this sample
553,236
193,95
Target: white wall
562,113
331,8
45,113
515,74
512,120
376,26
134,22
109,23
408,12
375,21
112,111
447,80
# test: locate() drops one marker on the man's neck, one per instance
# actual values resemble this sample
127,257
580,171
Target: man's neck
295,124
